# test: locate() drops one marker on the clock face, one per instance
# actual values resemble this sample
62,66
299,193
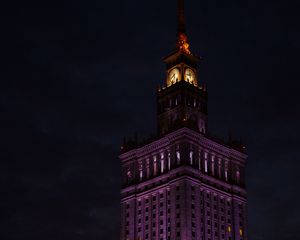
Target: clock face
189,76
173,76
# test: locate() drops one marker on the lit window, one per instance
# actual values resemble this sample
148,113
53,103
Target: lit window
191,157
205,165
178,157
154,165
226,171
128,174
169,161
241,232
229,229
141,171
162,165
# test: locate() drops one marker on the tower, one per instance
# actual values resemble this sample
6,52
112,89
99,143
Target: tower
183,184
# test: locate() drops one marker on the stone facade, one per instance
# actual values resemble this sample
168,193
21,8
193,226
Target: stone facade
183,186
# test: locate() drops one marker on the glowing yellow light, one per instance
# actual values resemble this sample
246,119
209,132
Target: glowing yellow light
229,229
183,43
241,232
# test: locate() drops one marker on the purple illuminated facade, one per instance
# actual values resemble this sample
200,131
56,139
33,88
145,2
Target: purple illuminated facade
184,184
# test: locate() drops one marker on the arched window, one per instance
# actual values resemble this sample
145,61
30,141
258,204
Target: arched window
226,171
141,171
154,165
129,175
191,157
178,157
162,162
169,160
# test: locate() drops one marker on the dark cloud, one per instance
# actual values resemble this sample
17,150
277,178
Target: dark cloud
80,75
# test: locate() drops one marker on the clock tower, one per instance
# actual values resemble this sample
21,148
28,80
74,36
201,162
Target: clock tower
183,183
182,101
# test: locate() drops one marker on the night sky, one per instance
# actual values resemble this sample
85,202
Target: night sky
80,75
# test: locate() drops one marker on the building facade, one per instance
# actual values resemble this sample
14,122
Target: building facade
184,184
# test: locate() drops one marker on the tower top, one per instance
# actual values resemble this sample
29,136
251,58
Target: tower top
182,39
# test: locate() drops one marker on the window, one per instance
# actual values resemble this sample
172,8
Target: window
169,161
162,162
205,166
199,160
226,171
148,168
191,157
154,165
213,165
237,176
141,171
162,165
128,174
178,157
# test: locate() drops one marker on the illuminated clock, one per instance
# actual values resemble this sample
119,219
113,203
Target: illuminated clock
190,76
173,76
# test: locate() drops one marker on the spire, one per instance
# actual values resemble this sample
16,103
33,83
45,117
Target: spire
182,40
181,18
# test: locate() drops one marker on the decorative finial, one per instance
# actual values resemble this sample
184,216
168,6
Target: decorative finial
182,40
